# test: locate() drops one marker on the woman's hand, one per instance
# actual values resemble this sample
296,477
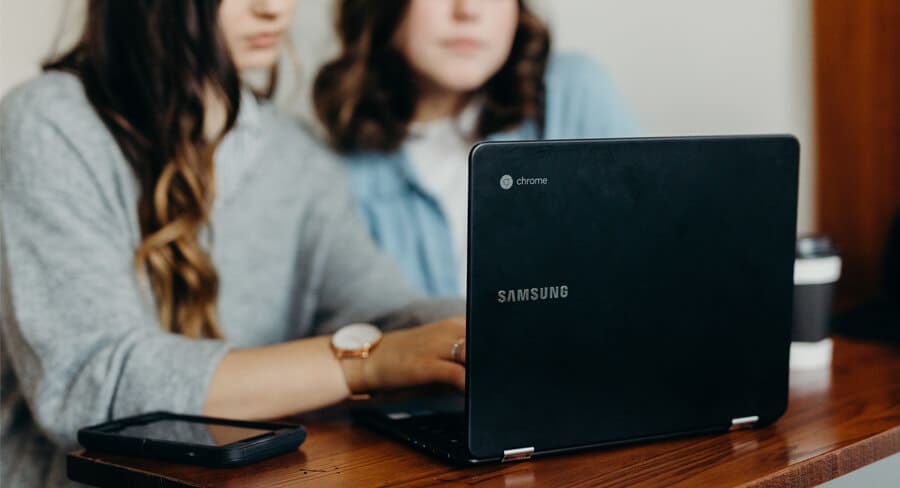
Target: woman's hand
302,375
417,356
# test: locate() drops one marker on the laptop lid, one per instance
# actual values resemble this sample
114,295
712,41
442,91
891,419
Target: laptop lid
627,289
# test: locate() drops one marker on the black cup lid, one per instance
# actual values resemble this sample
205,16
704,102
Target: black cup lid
815,247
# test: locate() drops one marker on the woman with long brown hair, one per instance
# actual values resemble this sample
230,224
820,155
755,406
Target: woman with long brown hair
168,242
416,83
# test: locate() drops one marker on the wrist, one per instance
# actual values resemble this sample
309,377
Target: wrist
352,345
354,375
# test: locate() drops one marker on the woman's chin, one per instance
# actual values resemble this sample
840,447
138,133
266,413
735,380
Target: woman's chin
463,82
256,59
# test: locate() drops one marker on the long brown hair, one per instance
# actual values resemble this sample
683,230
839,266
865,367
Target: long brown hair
366,97
148,68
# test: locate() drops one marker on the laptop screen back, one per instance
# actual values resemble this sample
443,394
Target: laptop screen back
626,289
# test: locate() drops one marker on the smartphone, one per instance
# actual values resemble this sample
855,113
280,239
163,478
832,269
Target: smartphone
192,439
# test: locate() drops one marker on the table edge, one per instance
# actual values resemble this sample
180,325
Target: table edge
836,463
76,462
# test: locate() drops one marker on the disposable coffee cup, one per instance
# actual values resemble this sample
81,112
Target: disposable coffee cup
817,268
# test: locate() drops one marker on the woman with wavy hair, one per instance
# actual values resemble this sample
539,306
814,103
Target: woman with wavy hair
416,83
168,242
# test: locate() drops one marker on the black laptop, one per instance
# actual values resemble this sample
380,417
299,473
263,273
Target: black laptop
618,291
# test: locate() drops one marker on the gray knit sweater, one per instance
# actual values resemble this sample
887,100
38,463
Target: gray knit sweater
80,340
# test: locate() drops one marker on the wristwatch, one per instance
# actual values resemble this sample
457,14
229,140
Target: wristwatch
355,341
352,344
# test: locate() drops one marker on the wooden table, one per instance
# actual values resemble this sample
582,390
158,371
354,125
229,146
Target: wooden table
836,422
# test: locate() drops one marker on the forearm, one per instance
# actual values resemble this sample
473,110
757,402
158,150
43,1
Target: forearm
276,381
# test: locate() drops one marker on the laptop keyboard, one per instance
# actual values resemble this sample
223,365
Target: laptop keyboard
442,434
450,428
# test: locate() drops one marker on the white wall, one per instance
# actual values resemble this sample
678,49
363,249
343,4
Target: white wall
686,66
29,29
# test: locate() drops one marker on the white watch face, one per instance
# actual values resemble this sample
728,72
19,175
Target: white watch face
355,336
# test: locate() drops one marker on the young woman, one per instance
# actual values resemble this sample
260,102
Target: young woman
168,240
417,82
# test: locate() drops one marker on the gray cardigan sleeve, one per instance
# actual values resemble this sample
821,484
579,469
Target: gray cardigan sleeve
358,282
82,336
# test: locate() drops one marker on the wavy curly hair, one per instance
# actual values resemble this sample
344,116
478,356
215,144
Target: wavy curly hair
366,97
148,68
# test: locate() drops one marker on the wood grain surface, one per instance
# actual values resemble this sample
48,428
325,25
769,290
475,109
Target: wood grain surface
857,107
837,421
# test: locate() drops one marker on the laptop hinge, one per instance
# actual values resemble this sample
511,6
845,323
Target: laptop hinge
520,454
744,422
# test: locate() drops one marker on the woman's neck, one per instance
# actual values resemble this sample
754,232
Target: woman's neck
436,103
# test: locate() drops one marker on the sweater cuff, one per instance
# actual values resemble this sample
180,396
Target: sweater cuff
167,372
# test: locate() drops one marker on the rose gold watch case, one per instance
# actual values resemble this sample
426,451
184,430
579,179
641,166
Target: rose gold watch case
361,353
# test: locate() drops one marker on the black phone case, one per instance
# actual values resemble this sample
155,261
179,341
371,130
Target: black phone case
285,438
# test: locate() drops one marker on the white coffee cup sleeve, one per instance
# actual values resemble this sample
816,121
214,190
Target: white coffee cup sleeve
817,271
811,355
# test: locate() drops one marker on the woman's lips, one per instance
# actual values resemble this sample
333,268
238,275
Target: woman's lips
264,40
463,45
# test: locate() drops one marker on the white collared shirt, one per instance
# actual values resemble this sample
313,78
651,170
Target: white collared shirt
438,151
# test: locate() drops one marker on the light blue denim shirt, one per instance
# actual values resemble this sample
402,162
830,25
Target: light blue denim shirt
407,221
